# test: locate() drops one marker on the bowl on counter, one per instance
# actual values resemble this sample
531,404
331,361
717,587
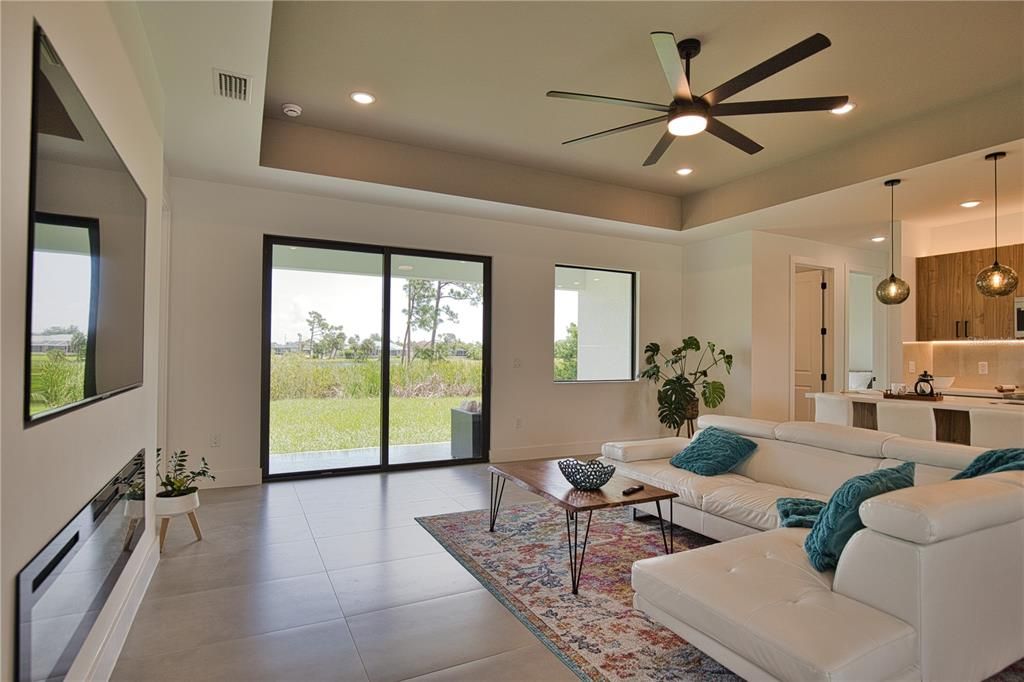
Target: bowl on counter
942,383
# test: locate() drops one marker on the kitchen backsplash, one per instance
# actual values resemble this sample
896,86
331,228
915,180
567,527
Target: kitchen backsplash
961,359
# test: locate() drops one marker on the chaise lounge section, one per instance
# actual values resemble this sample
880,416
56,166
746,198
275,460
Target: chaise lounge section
931,589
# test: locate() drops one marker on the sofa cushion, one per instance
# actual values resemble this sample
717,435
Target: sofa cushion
691,487
804,467
935,453
752,504
745,426
840,518
849,439
924,474
759,597
932,513
636,450
714,451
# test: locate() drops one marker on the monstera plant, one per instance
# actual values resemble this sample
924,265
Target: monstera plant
683,388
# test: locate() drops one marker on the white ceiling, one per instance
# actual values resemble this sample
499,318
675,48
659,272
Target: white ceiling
471,77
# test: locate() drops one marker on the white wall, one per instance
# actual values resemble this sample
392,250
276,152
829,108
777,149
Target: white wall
717,307
214,362
50,470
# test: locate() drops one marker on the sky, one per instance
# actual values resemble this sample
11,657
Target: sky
566,310
353,301
60,290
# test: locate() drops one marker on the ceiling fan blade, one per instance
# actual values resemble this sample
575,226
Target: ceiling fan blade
732,136
659,149
620,129
668,55
769,67
779,106
608,100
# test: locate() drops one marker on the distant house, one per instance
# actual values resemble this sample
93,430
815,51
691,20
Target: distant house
284,348
44,343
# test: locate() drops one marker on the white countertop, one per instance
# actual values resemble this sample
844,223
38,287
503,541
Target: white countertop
949,402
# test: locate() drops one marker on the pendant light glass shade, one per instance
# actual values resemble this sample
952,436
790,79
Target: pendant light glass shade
996,279
892,290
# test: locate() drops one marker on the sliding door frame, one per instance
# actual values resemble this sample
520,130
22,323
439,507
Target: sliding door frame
386,252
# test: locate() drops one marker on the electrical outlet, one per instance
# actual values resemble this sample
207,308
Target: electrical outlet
912,367
982,368
517,363
214,440
519,423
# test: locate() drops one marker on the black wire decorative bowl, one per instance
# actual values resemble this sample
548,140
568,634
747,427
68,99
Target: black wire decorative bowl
589,475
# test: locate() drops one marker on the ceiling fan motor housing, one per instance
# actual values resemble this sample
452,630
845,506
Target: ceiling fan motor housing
688,48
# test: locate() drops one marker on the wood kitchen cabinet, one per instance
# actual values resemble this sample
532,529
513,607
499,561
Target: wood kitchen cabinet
949,306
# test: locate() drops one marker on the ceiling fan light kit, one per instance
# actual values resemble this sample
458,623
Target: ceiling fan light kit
997,279
892,290
688,114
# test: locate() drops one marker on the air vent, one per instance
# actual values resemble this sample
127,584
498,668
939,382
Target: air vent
231,85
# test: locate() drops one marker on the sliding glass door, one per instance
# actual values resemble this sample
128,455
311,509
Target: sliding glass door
374,358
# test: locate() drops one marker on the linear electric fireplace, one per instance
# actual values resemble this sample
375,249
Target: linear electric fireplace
62,590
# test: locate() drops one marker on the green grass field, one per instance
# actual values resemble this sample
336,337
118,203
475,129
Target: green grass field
311,424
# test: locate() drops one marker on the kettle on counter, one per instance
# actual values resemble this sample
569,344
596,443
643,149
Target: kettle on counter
924,384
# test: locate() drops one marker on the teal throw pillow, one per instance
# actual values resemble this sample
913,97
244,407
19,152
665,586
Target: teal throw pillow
714,451
1007,459
840,518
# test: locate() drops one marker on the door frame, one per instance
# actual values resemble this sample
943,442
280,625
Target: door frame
386,252
836,358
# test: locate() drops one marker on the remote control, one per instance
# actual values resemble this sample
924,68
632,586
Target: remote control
633,489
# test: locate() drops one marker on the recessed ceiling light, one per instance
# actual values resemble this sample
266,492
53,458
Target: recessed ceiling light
405,267
845,109
291,110
878,239
363,98
576,283
970,204
684,171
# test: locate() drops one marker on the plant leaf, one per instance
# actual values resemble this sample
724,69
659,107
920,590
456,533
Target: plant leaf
713,393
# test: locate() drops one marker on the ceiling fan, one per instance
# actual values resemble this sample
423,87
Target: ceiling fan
688,114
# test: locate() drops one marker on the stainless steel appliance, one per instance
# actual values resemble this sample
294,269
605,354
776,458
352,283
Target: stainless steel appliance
1018,317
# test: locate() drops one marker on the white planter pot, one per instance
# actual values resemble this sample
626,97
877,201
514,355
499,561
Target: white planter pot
176,506
135,509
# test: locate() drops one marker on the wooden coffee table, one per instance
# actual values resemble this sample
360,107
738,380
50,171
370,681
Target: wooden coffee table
544,478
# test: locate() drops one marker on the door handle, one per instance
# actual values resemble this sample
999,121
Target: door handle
958,329
966,335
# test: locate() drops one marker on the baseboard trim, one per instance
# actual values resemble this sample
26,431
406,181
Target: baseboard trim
102,648
580,449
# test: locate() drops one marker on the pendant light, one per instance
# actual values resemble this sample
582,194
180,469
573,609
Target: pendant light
996,279
892,290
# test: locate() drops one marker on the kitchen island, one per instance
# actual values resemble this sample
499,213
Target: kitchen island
952,413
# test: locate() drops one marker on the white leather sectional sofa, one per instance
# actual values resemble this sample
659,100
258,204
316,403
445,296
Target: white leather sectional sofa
931,589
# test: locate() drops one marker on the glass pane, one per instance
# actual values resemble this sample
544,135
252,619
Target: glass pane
63,316
437,323
325,333
593,325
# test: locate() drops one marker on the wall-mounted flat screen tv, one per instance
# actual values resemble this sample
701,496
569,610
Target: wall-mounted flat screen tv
87,252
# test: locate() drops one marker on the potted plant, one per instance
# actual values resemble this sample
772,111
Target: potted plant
180,494
678,400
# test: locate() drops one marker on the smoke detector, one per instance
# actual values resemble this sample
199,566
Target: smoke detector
291,110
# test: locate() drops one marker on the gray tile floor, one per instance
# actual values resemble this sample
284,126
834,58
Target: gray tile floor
329,579
297,462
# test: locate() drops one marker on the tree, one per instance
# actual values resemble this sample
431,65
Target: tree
332,341
566,353
78,344
317,324
67,329
454,291
417,293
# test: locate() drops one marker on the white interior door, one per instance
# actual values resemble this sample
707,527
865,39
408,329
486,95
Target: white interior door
808,361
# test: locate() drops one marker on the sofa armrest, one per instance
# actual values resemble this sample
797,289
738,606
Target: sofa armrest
636,450
940,511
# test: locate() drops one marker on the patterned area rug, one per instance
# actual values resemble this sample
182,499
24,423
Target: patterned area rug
597,633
